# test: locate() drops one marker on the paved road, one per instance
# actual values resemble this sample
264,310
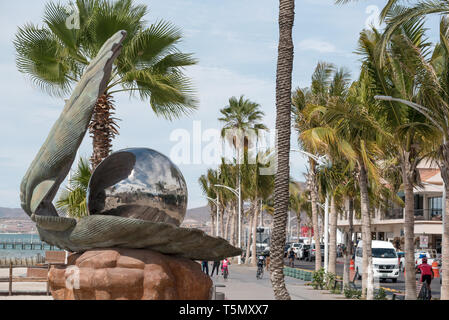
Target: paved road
399,285
243,285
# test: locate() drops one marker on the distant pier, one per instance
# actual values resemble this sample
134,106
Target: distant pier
26,245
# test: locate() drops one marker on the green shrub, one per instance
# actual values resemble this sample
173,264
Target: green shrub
380,295
352,293
318,279
329,280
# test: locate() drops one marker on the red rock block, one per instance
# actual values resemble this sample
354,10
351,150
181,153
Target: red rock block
128,274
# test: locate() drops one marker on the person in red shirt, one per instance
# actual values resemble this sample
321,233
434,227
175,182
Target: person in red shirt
426,273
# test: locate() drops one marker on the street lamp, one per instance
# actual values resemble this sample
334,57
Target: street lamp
215,201
238,193
323,160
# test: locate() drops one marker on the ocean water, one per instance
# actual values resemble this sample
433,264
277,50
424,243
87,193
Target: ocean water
19,253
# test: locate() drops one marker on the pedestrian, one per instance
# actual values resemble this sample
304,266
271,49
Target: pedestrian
216,265
291,258
205,266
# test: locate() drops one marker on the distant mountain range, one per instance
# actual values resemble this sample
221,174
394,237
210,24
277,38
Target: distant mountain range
12,213
200,214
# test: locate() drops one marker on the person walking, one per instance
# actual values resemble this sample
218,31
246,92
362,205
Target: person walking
205,266
216,265
426,274
291,258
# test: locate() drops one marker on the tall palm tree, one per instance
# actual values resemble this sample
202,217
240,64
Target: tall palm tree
256,186
241,119
401,76
149,66
356,135
283,123
327,83
207,184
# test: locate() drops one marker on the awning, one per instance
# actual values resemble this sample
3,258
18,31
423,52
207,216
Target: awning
428,228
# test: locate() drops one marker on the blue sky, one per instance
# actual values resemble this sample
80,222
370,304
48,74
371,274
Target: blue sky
235,42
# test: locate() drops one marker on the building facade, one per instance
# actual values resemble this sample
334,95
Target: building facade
388,224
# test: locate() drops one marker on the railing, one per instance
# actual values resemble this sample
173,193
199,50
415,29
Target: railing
420,214
396,213
26,245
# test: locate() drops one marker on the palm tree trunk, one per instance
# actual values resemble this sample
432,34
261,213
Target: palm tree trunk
409,231
213,218
102,129
367,271
333,237
445,246
250,239
314,197
232,226
228,219
444,169
221,229
348,243
283,129
254,232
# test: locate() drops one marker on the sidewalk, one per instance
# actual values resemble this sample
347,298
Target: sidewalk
243,285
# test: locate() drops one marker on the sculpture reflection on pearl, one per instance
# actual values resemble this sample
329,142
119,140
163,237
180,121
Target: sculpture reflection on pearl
138,183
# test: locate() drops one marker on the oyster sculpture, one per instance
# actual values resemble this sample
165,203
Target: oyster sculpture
137,198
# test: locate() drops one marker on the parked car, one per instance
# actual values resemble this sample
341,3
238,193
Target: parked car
311,256
430,254
385,260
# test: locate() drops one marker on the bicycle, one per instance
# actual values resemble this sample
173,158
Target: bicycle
225,273
424,293
259,274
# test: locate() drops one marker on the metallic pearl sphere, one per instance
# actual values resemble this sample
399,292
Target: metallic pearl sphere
138,183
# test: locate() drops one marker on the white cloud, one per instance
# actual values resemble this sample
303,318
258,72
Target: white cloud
316,45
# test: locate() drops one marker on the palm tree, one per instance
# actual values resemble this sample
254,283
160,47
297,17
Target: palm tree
299,202
401,76
207,184
150,65
283,123
256,186
327,83
354,133
242,119
72,201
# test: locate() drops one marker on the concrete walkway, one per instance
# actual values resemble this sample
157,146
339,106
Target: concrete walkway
243,285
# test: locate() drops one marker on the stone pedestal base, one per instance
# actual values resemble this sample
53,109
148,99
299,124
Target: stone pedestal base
134,274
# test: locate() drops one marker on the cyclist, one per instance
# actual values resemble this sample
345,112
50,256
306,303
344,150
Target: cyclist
260,265
426,274
224,267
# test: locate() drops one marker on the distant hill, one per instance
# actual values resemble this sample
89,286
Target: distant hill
200,214
12,213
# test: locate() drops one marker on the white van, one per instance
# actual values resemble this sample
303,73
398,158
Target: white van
385,260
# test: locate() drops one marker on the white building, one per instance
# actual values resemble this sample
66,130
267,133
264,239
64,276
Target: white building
389,224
